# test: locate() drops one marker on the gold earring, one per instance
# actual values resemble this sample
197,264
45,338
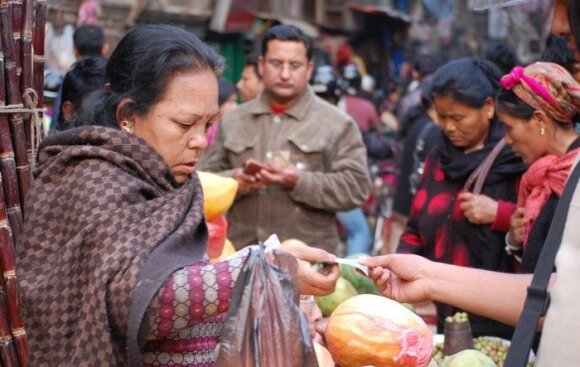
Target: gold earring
542,131
127,126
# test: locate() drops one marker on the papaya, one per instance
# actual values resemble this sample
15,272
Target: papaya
218,194
361,283
343,291
368,330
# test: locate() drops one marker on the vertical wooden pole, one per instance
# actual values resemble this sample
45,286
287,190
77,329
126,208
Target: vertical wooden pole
13,97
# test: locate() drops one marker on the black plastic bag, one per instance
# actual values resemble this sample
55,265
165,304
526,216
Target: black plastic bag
265,326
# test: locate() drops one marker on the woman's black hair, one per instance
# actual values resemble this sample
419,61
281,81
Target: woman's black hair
502,54
508,102
467,80
84,77
141,67
426,64
558,52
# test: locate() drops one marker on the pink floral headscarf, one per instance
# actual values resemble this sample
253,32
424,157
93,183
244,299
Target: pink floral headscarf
547,87
550,88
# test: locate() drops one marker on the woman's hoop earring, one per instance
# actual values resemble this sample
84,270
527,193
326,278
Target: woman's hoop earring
542,131
127,126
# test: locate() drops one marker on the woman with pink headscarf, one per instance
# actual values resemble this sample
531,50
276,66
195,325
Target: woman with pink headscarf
538,106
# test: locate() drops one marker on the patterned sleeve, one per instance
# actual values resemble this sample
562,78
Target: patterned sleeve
193,294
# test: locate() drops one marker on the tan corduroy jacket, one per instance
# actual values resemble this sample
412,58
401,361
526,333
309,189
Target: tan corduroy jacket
321,141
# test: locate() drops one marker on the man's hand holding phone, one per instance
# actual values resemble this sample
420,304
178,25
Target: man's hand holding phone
246,177
253,167
255,175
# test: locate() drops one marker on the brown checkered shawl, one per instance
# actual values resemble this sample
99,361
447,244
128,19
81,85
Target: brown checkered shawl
106,225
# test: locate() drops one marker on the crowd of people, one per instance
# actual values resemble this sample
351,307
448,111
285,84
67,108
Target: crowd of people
112,264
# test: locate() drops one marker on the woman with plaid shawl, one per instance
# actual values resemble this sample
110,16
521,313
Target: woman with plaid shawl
112,263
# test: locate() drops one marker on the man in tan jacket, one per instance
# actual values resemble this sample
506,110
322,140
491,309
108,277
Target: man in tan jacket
313,155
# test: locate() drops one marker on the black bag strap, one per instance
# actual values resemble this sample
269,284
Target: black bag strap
538,298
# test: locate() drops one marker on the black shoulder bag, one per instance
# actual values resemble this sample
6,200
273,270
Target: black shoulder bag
538,298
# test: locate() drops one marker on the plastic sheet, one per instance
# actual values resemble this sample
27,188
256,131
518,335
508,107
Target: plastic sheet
265,326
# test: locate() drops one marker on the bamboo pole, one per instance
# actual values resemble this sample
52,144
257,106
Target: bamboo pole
10,217
26,54
8,265
38,44
12,301
7,352
26,76
16,71
16,7
15,316
7,260
13,97
18,333
8,162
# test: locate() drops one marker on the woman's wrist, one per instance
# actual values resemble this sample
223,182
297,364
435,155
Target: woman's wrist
509,243
512,249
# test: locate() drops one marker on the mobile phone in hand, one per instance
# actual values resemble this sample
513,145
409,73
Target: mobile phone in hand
252,167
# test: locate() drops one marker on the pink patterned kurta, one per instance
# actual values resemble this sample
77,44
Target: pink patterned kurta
187,315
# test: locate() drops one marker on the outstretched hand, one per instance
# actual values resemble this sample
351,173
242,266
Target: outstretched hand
310,280
404,278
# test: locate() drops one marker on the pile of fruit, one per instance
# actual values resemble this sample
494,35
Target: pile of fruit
457,318
349,285
487,350
367,329
494,348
